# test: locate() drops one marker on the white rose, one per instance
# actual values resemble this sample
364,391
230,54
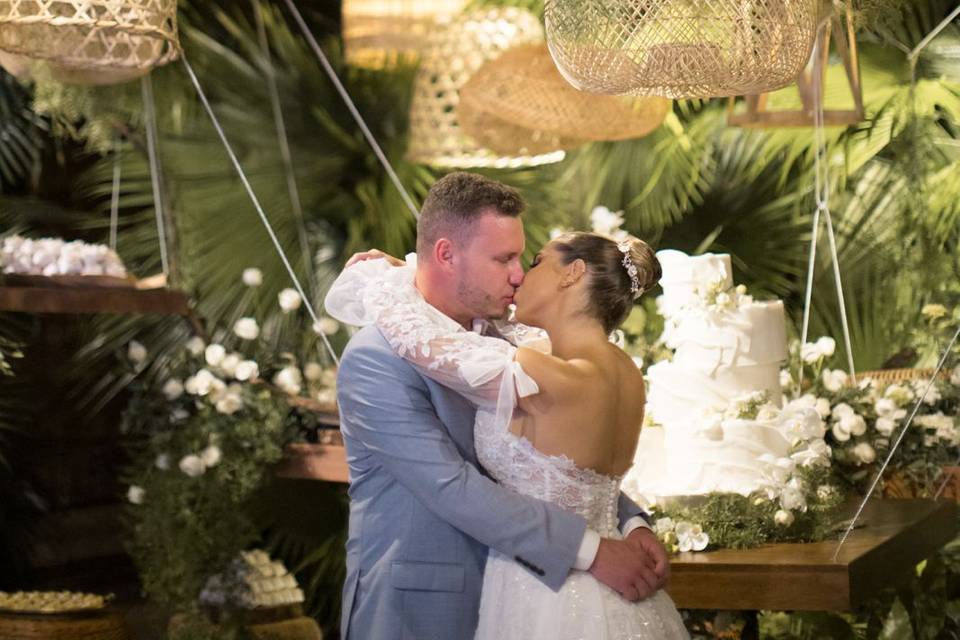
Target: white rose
864,453
289,300
247,370
289,380
252,277
810,353
136,494
885,407
326,325
200,384
823,407
229,403
229,364
786,380
826,346
214,354
854,424
312,371
173,389
162,462
195,345
211,456
192,465
834,379
136,352
885,426
246,328
841,410
840,433
783,518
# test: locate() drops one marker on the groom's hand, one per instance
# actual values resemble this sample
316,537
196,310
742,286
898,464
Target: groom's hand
645,542
619,566
374,254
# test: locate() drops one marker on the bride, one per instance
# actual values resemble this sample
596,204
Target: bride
561,426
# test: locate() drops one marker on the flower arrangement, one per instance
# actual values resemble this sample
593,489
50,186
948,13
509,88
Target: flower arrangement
52,256
208,432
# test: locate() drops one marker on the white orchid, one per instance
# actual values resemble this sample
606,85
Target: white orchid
289,300
252,277
246,328
827,346
136,494
691,537
663,525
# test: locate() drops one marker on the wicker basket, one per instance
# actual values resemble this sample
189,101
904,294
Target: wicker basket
454,53
81,626
523,89
889,376
384,33
681,48
92,41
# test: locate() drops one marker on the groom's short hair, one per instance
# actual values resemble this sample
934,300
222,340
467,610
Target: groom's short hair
456,201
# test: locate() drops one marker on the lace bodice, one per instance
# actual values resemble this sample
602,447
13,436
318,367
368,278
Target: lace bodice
484,370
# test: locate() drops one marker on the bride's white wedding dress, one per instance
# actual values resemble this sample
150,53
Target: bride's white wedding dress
514,603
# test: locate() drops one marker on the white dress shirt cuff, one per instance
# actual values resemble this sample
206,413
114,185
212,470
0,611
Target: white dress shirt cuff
632,524
588,550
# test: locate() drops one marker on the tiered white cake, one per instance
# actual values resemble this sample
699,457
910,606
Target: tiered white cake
728,352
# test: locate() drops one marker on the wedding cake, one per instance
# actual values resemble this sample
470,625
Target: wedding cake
714,418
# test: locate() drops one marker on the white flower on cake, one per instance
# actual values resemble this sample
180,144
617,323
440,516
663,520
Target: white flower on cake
289,380
326,326
783,518
289,300
195,345
162,462
136,494
252,277
690,537
834,379
214,354
192,465
607,223
136,352
247,370
173,389
246,328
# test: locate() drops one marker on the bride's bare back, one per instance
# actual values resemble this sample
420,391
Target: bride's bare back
594,420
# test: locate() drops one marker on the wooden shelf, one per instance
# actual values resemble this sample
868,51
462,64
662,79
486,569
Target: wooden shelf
896,535
36,299
327,462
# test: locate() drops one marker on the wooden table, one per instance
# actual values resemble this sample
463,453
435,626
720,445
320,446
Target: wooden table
896,535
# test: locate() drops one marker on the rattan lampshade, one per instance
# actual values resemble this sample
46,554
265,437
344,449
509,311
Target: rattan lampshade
453,54
92,41
523,89
381,33
680,48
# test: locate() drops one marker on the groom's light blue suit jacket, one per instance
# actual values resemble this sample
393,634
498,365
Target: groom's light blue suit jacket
422,515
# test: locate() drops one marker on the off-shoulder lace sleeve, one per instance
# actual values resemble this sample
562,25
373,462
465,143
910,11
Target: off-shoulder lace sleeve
481,368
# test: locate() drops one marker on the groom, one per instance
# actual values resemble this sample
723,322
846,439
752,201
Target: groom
422,512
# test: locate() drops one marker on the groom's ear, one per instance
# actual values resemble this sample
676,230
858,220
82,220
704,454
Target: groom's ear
443,252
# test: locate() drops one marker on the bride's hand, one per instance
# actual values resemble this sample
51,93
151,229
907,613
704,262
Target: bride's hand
374,254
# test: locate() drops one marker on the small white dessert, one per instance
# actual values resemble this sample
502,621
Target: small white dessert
252,581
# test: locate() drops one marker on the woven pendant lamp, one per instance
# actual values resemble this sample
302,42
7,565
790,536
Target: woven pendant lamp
680,48
91,41
523,89
453,54
381,33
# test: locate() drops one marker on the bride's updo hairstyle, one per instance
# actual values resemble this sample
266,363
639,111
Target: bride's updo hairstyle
611,290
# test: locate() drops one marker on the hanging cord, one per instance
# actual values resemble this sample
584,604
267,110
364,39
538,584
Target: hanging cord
893,449
258,207
353,109
150,122
284,142
115,194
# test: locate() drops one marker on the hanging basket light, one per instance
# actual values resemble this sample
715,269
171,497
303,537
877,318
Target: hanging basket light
680,48
455,52
91,41
382,33
522,89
